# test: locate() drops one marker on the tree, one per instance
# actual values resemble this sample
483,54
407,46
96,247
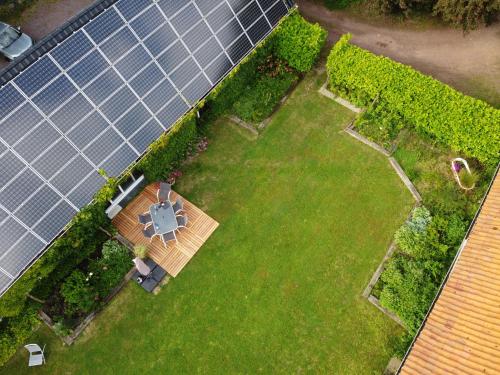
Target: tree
468,14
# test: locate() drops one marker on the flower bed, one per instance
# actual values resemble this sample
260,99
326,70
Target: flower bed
87,288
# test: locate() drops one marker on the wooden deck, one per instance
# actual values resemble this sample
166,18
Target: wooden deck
173,257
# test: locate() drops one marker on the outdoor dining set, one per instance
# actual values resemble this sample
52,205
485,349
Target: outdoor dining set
164,218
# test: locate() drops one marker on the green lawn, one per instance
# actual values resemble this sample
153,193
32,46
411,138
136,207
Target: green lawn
306,214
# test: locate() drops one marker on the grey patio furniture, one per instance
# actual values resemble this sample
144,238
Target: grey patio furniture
145,218
182,220
167,237
36,355
164,191
149,231
178,205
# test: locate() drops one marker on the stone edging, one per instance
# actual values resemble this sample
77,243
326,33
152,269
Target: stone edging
325,92
404,178
350,130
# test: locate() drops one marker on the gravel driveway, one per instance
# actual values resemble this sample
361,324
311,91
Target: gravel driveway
45,16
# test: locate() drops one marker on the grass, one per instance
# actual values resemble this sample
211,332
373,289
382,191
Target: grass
306,214
427,164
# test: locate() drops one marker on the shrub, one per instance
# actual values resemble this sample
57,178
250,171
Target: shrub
109,270
82,239
258,103
411,237
409,288
463,123
467,14
299,42
140,251
467,179
78,293
169,150
15,331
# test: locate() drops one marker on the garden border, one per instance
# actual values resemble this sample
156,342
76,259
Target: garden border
71,338
349,129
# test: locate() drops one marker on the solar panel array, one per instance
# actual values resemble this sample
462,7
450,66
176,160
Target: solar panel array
100,98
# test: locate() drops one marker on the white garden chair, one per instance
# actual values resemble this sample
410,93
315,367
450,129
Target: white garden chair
36,355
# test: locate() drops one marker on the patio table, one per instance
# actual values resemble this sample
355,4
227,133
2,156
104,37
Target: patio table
163,217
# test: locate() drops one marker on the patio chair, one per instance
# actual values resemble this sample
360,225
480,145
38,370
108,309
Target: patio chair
182,220
149,232
167,237
178,205
163,193
36,355
145,218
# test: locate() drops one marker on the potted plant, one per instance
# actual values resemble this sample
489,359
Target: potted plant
465,177
140,251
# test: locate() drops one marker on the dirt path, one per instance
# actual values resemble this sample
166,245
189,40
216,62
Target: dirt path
470,63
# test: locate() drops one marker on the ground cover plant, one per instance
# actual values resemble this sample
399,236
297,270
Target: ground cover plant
306,213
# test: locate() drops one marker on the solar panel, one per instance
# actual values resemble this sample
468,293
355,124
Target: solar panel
100,97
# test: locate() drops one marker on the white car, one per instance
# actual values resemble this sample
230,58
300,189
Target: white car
13,42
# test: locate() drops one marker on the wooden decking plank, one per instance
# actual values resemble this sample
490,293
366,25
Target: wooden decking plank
175,256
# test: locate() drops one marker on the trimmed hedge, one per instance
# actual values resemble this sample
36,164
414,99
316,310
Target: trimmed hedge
462,122
168,152
299,42
295,43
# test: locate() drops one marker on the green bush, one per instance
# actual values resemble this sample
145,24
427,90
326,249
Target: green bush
168,152
109,270
15,331
78,293
252,90
411,237
412,277
409,288
299,42
82,239
463,123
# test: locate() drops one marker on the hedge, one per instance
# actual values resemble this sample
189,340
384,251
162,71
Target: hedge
299,42
462,122
295,41
167,153
15,331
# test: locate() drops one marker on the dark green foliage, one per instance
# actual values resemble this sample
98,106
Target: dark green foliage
463,123
15,331
81,240
299,42
467,14
169,150
78,293
412,277
109,270
380,125
239,82
84,291
409,288
253,90
339,4
461,13
257,103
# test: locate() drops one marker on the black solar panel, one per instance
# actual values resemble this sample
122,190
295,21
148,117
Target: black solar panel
100,97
